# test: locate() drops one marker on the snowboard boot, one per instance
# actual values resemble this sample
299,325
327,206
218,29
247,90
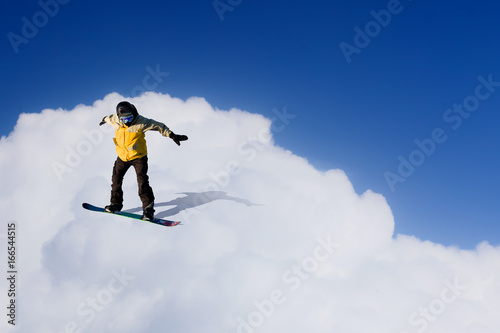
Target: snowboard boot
113,208
148,214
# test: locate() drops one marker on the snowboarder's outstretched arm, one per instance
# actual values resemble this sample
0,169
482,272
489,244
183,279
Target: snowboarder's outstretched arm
145,124
112,120
153,125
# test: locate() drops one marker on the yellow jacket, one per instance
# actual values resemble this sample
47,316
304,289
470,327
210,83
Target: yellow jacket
130,140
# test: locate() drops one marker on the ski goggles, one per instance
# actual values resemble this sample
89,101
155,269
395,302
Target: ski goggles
127,119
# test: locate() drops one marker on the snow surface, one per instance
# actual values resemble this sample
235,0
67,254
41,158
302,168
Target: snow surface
268,242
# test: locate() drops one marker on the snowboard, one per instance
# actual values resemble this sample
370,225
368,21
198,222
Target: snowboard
166,223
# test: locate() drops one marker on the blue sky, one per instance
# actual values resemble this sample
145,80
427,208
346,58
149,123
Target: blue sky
359,116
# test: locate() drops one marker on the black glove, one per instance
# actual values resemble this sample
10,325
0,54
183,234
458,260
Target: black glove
102,122
178,138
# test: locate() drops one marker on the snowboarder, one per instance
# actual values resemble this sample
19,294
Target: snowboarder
130,128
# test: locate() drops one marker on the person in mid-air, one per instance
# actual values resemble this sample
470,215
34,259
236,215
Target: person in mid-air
130,128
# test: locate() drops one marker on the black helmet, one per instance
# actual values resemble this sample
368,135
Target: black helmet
127,112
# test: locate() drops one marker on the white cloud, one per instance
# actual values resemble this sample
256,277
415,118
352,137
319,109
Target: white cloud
268,243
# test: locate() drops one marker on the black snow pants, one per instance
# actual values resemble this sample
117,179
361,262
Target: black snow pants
141,169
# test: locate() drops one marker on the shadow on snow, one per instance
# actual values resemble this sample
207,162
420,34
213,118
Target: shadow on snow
192,200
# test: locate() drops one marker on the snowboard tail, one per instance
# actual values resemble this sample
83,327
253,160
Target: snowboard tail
163,222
